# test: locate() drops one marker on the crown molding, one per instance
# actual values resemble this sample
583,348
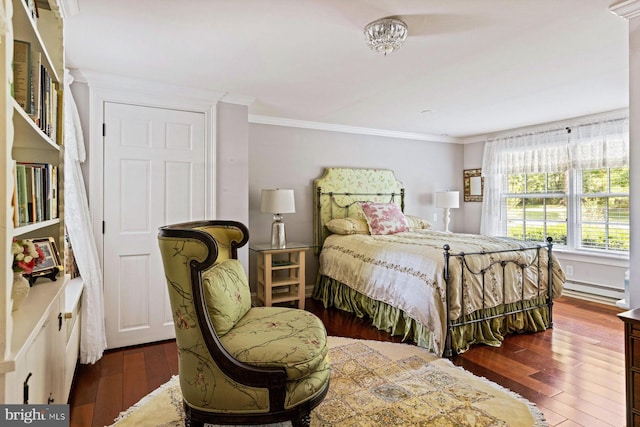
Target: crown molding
627,9
77,75
146,87
540,127
332,127
100,78
231,98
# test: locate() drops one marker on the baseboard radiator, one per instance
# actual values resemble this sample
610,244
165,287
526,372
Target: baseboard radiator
593,292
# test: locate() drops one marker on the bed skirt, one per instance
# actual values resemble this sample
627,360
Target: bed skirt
385,317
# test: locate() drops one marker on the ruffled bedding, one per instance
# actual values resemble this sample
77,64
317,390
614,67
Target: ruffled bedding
398,281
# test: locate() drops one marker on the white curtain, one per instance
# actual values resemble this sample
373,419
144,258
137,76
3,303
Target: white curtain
585,146
601,145
543,152
93,339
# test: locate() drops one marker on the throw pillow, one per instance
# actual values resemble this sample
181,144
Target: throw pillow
384,218
227,294
348,226
417,223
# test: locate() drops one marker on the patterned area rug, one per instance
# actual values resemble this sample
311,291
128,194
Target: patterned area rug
380,384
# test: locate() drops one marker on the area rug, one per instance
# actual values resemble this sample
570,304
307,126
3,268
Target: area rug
379,384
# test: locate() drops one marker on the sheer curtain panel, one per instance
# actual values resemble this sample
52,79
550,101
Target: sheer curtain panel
599,144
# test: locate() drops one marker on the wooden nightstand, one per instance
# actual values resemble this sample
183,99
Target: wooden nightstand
281,273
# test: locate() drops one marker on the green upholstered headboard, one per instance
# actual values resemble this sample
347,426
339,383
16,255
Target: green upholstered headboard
338,191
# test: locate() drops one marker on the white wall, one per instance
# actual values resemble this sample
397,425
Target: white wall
232,162
288,157
594,275
472,210
232,167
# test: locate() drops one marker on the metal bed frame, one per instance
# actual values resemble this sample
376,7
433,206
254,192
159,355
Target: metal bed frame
462,257
520,308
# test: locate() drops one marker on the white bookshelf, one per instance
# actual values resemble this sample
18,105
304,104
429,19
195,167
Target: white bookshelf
35,339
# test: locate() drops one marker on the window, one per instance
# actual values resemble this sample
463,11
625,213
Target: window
536,206
540,205
570,183
603,220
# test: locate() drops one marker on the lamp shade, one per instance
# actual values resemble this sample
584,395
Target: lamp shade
277,201
448,199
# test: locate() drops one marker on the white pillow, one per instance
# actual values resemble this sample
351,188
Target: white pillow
417,223
348,226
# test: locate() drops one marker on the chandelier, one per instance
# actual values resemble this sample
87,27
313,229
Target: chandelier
385,35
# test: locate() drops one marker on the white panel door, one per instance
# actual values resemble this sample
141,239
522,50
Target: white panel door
154,174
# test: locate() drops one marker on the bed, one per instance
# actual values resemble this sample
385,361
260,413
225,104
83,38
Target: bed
443,291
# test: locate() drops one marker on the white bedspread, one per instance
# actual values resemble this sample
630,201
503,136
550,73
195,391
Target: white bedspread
405,270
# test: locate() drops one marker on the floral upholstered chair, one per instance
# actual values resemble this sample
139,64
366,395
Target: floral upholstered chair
238,364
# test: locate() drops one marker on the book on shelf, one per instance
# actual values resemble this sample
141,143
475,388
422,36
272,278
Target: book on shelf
50,197
46,87
36,87
43,87
53,108
14,198
22,73
21,181
56,106
37,192
31,200
53,202
48,104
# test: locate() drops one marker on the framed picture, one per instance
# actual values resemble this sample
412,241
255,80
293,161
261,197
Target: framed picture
473,185
51,265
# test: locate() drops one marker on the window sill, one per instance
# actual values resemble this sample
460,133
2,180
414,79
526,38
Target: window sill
591,257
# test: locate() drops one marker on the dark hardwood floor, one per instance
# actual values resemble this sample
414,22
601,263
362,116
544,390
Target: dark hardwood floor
573,372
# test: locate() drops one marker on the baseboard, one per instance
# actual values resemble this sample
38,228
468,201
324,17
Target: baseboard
590,297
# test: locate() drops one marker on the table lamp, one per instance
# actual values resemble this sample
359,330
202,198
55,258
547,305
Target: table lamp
447,200
277,202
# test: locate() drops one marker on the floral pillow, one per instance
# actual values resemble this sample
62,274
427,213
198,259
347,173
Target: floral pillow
348,226
384,218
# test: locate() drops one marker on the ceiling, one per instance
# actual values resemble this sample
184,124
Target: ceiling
468,67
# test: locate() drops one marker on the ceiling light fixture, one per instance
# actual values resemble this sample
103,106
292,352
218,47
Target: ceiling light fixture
385,35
